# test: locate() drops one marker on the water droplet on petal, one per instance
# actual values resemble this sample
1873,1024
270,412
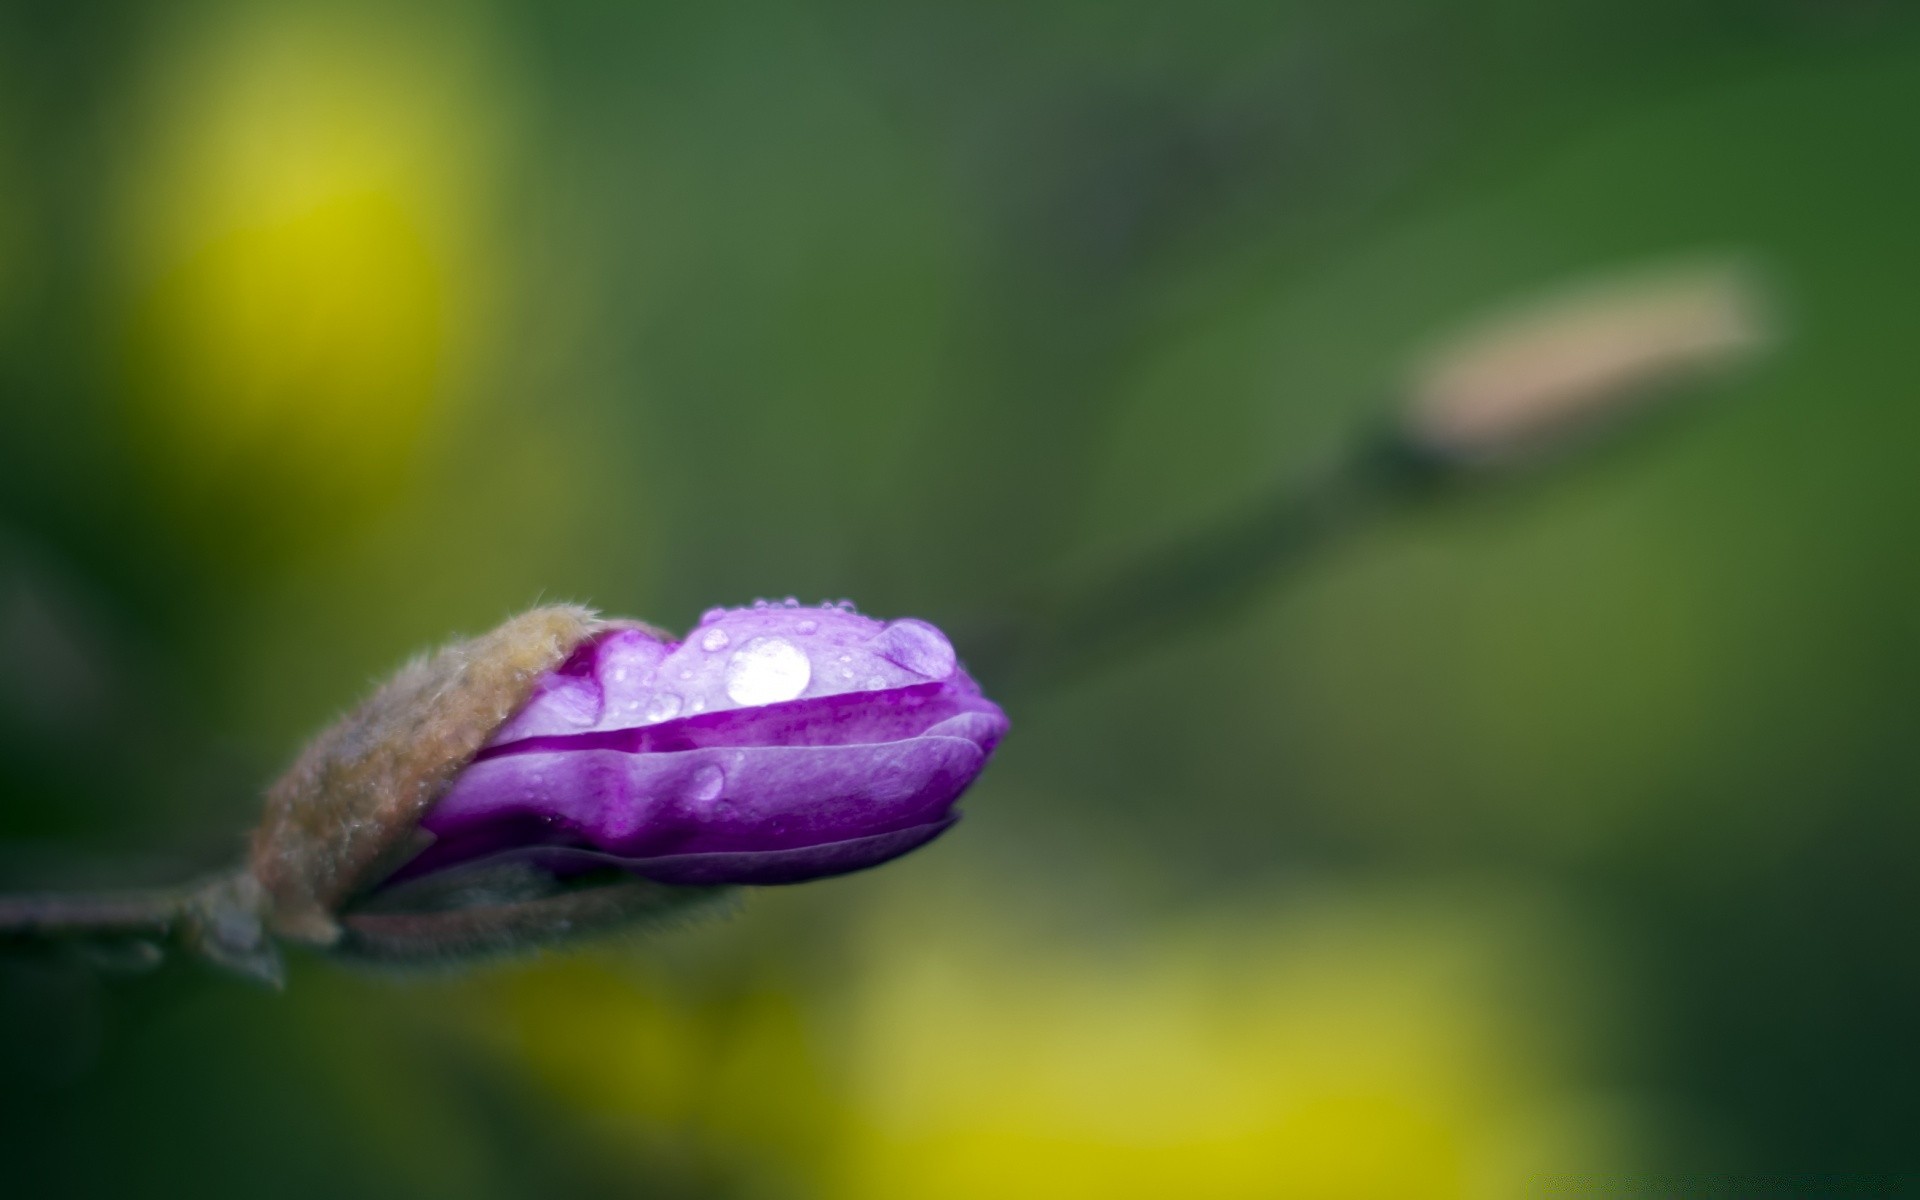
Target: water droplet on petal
767,670
711,615
664,707
714,639
789,602
760,605
697,706
918,647
706,783
808,626
619,674
875,683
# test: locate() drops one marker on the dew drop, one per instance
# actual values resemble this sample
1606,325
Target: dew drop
711,615
789,602
706,783
875,683
808,626
619,674
714,639
761,605
918,647
664,707
767,670
697,706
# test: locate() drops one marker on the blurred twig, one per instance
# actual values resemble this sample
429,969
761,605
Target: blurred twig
1520,390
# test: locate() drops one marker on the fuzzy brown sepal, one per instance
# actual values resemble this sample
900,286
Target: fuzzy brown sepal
349,808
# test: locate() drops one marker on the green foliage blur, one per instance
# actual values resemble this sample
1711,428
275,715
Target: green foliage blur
1560,837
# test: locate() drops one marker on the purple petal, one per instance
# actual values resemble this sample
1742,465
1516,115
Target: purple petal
735,659
746,798
760,867
844,719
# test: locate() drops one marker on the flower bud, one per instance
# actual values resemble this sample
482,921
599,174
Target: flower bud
611,772
1527,381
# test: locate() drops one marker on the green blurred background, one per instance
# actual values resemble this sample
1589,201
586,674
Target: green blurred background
1564,834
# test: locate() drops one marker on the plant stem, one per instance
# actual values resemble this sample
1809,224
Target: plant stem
149,912
218,919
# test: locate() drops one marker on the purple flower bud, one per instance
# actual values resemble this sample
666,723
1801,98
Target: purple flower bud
775,744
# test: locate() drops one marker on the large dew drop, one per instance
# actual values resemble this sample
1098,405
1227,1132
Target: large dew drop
918,647
767,670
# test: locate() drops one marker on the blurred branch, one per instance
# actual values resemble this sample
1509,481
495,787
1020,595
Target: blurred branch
1519,391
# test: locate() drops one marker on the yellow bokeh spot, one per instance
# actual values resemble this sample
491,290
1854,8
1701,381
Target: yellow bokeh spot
300,265
1358,1049
312,344
1372,1059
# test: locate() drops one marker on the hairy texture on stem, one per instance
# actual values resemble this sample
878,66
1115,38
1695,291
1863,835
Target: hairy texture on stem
348,808
458,934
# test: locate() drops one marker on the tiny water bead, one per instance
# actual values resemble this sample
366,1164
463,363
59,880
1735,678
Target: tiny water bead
663,707
711,615
706,783
767,670
714,639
